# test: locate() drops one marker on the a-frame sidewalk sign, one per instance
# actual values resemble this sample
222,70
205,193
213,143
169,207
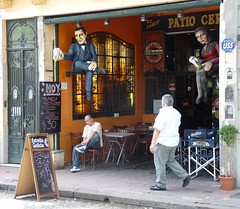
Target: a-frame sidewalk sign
37,173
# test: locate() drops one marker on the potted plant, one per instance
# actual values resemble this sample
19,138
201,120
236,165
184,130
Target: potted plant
228,135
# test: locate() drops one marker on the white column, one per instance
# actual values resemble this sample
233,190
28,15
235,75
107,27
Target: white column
229,16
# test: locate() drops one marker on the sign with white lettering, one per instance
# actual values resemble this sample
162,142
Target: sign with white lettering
39,142
50,107
228,45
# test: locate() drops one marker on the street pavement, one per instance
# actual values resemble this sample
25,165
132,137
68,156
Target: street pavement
129,183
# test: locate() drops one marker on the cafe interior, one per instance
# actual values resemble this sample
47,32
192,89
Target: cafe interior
146,56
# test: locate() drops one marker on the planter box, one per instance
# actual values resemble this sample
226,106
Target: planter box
58,158
227,183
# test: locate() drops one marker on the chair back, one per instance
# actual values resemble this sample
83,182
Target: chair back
76,138
201,143
144,124
142,132
116,128
195,133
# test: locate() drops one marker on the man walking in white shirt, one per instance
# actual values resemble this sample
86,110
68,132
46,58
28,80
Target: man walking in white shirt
164,143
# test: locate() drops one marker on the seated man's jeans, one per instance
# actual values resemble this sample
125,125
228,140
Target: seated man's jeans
94,144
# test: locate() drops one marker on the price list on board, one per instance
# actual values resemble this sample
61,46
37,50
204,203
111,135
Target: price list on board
50,107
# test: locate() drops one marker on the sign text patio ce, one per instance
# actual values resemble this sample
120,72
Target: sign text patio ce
189,21
50,107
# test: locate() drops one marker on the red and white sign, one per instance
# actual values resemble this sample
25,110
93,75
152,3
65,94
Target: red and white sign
216,103
153,51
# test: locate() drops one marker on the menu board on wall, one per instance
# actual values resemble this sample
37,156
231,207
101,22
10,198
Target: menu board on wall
37,173
50,107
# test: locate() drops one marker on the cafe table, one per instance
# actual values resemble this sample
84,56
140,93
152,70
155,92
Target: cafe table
120,139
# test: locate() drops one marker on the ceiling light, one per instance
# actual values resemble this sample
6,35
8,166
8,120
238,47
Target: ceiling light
78,24
180,14
107,21
143,18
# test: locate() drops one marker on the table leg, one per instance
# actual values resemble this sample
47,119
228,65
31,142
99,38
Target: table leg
135,145
110,149
121,151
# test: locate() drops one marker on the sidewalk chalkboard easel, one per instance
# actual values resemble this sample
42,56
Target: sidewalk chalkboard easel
37,173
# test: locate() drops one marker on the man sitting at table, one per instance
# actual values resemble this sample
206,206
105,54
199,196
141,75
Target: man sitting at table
92,139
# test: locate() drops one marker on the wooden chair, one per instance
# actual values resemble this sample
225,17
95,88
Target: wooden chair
93,154
76,138
105,141
142,136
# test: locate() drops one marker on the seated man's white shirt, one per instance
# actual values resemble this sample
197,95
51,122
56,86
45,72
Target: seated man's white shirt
87,131
168,122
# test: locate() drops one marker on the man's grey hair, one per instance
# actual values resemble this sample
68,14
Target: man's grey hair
89,116
167,99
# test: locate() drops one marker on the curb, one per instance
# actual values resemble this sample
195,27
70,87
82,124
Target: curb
122,200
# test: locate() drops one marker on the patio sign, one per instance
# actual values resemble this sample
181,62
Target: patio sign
189,22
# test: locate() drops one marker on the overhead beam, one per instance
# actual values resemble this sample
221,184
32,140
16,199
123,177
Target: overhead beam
134,11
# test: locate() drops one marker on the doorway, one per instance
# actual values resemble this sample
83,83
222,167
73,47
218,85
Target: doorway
22,84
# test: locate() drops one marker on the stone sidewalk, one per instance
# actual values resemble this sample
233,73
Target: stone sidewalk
129,183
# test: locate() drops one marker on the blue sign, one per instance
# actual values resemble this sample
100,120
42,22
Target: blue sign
228,45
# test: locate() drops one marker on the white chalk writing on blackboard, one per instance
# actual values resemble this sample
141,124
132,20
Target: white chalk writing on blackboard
50,107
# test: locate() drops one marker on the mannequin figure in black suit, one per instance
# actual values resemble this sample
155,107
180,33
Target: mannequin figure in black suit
83,56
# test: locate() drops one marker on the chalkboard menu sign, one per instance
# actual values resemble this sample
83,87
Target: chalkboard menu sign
37,173
44,172
50,107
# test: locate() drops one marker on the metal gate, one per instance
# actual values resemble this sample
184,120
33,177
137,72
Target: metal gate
22,84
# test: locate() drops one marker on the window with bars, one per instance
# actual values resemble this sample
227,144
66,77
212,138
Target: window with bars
113,92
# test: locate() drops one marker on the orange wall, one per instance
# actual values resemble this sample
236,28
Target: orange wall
126,28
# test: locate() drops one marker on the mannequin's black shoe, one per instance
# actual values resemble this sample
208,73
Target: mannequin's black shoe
205,99
101,71
89,96
199,100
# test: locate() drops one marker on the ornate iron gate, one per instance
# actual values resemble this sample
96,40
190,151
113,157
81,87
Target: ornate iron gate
22,84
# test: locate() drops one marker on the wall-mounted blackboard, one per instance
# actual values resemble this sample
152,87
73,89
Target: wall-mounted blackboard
50,107
37,173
